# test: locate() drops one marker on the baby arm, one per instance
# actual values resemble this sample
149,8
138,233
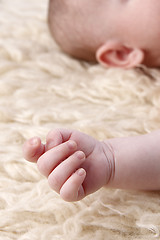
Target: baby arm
137,162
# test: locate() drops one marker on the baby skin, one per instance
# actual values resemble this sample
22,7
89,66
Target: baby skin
77,165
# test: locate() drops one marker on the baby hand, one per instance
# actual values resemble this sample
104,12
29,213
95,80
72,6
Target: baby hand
74,163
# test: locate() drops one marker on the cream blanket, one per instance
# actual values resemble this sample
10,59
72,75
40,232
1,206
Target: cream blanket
41,88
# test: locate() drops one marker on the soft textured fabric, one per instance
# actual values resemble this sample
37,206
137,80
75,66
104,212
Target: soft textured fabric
41,89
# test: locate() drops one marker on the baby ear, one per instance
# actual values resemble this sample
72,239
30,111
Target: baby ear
115,54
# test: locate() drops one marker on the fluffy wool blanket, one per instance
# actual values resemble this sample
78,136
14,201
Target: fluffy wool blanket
41,89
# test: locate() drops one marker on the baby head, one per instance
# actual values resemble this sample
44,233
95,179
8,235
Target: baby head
121,33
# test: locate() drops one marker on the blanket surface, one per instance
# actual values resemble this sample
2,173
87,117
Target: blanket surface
41,89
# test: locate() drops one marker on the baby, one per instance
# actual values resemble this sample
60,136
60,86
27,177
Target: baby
122,34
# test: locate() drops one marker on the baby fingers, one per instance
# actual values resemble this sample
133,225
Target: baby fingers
33,149
72,190
59,177
53,157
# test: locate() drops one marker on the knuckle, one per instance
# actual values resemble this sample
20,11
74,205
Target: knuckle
51,133
54,133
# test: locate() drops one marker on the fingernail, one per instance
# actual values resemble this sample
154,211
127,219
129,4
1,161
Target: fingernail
80,155
81,172
33,141
72,144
